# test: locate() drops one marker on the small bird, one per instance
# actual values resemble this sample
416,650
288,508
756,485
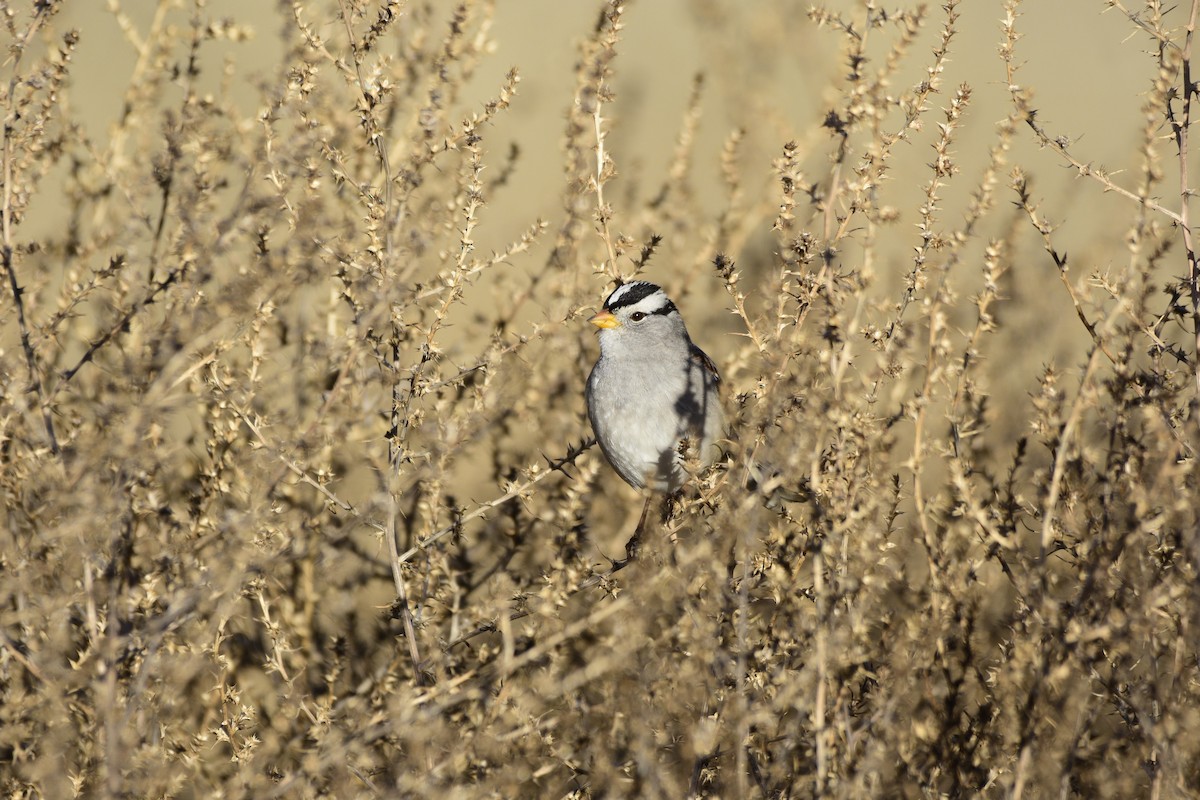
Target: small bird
653,395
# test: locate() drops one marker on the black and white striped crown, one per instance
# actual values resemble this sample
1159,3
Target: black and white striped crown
640,293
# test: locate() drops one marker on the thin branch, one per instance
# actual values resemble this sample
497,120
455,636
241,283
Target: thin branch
1060,260
1066,440
6,213
514,490
1185,193
121,325
1021,98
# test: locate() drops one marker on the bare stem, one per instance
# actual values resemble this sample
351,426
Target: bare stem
603,210
1185,192
6,215
514,490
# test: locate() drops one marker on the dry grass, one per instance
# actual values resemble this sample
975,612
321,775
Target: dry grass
294,503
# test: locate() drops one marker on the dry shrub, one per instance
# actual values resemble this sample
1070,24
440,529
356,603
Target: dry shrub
294,497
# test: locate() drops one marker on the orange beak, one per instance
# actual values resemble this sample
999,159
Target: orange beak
604,319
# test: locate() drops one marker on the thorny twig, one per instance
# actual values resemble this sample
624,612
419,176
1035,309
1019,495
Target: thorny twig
6,215
1180,127
514,490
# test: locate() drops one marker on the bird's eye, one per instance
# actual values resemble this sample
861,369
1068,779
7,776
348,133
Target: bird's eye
637,316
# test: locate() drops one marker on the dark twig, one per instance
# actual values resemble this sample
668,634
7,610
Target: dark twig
514,490
6,213
121,324
632,548
1180,127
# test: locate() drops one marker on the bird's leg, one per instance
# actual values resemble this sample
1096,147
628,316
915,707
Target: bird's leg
635,542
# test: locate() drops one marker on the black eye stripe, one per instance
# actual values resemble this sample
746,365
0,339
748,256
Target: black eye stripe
667,309
638,316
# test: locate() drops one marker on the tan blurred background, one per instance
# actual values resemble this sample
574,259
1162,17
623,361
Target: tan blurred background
1086,69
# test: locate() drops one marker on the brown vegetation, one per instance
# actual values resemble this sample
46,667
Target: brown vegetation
294,500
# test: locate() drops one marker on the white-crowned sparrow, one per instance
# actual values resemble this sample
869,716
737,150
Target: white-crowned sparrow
653,395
